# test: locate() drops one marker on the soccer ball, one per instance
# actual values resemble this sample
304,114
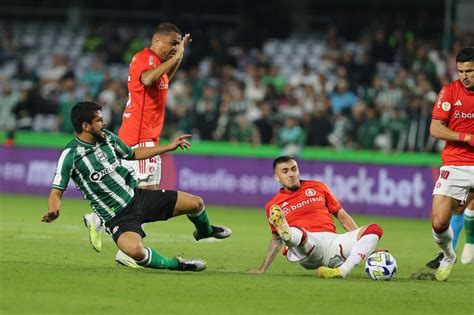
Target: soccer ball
381,266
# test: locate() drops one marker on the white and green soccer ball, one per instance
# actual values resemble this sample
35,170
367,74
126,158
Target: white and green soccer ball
381,266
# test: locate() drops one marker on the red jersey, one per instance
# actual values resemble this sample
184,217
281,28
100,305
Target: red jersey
455,106
144,113
310,207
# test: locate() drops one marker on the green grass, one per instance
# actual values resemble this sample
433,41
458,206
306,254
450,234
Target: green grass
51,269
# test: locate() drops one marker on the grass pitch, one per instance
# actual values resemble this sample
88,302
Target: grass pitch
51,269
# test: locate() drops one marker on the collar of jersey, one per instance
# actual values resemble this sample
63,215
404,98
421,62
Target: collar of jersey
289,192
85,143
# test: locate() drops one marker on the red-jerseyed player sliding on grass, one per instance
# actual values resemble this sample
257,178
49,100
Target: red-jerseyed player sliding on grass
300,217
93,160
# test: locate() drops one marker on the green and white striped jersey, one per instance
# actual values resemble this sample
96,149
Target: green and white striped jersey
98,173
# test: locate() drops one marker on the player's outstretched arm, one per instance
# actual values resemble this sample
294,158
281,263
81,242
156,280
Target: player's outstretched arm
346,220
439,130
54,204
149,152
273,249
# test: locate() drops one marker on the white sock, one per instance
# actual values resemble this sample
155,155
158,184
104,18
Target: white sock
445,242
197,213
295,240
364,246
469,213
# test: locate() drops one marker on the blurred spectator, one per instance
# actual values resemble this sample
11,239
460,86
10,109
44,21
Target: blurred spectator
8,101
291,137
342,98
265,124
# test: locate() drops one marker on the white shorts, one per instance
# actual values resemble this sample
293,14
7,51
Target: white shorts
330,249
455,182
148,172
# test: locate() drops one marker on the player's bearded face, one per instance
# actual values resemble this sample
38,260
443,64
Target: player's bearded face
288,175
97,127
466,74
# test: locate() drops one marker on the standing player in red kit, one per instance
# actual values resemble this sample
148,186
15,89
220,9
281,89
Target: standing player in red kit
453,121
300,217
151,69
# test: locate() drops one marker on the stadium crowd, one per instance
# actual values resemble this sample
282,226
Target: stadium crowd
374,92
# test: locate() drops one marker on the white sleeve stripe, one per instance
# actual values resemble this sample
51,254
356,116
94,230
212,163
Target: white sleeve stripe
61,160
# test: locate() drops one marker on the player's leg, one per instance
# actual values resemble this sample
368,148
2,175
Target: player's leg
300,245
467,255
148,175
443,207
131,244
456,223
193,206
355,245
126,230
95,227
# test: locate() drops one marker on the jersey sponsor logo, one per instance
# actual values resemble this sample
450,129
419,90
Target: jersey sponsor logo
461,114
310,192
98,175
163,85
446,106
458,103
301,204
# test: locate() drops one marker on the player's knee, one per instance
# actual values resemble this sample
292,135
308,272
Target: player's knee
135,251
373,229
198,203
439,226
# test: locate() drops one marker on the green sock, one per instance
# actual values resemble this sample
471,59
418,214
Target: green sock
469,225
201,222
154,260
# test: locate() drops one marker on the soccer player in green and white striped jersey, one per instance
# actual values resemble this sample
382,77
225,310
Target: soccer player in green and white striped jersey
93,161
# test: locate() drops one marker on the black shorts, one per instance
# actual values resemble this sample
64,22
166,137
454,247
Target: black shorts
146,206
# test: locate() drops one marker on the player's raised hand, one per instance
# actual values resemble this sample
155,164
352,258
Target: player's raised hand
50,216
182,142
180,49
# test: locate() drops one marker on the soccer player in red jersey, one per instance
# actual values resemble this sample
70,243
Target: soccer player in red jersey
300,217
453,121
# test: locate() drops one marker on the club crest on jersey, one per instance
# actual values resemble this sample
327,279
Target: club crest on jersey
446,106
310,192
151,61
100,156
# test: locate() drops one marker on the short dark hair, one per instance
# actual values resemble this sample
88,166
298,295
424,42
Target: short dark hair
83,112
466,54
166,28
282,159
